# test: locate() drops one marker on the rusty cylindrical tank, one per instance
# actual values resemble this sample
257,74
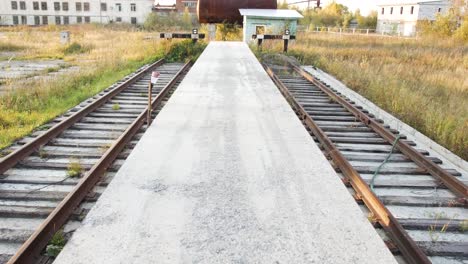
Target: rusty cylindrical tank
219,11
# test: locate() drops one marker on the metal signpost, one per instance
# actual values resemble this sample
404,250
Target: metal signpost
154,79
195,36
286,37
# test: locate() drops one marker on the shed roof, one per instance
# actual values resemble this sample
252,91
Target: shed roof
271,13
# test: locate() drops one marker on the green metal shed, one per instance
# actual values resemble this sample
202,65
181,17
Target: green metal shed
268,21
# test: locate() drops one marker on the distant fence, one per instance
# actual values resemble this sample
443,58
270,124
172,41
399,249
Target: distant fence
339,30
350,31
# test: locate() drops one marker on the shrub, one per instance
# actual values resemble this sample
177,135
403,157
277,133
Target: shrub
9,47
76,48
462,32
185,50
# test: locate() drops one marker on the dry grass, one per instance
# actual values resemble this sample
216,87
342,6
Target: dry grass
422,82
106,55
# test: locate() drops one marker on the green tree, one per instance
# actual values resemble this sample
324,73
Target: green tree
283,5
347,19
462,32
187,18
369,21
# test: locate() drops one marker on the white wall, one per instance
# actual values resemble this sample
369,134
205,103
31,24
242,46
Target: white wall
430,10
143,8
404,23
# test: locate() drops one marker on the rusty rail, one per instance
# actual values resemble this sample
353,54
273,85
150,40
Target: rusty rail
407,246
58,217
455,185
13,158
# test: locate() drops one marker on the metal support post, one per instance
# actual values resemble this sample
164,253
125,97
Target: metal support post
150,92
154,79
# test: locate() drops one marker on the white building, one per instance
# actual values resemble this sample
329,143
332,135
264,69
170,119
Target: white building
400,17
62,12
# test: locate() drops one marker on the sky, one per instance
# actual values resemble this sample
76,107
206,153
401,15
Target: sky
364,5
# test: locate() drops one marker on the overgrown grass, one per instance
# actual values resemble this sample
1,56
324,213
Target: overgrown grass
32,103
9,47
424,83
185,50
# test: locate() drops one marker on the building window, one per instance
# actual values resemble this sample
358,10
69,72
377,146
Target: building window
118,7
383,10
260,30
103,7
66,20
118,19
22,5
78,6
412,10
36,5
190,4
401,10
45,20
391,10
439,10
79,20
43,5
14,5
87,19
133,20
56,6
37,20
133,7
57,20
24,20
64,6
86,6
15,20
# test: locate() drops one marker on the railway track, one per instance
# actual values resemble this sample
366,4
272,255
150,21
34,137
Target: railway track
418,205
53,177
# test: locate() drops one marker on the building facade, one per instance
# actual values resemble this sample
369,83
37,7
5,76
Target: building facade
63,12
190,5
401,17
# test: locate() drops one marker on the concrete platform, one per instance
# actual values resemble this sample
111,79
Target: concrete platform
226,174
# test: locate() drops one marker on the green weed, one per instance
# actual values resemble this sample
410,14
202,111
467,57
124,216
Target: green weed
115,107
75,169
43,154
56,244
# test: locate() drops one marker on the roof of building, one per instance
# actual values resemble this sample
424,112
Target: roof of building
271,13
407,2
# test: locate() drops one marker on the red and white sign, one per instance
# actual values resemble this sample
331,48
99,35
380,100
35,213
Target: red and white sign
154,77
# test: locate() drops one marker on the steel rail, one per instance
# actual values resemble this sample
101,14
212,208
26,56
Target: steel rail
16,156
32,248
450,181
407,246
